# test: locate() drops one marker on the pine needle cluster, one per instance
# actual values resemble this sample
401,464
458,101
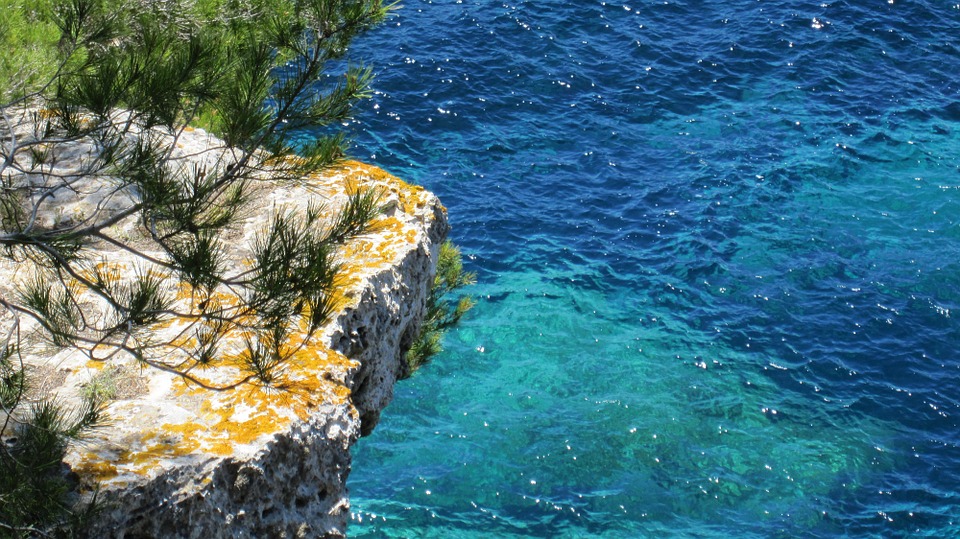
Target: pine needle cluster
103,91
35,496
442,313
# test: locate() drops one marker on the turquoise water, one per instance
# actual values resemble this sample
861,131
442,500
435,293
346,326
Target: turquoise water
718,250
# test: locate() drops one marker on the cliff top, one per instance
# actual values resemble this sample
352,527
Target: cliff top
172,435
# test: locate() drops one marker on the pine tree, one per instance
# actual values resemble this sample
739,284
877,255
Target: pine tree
91,116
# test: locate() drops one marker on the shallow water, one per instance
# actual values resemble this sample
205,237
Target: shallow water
718,250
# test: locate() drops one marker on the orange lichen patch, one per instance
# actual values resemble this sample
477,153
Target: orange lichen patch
94,364
151,450
111,271
251,412
351,185
410,197
227,420
186,292
220,438
390,225
356,169
367,254
288,160
306,376
94,469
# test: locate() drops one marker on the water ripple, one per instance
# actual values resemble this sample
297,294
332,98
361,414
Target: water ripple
717,244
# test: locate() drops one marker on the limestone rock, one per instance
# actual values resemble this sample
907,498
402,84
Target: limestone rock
178,460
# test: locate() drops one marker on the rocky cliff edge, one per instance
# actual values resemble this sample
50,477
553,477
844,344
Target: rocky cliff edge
178,460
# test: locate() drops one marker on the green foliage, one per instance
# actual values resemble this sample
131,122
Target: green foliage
441,313
33,440
130,77
294,276
102,387
126,78
13,382
55,305
140,301
28,40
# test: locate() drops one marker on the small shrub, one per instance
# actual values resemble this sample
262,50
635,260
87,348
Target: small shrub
441,313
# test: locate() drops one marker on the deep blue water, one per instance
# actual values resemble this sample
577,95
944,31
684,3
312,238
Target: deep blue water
718,252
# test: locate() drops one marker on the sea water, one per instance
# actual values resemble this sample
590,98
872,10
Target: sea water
718,252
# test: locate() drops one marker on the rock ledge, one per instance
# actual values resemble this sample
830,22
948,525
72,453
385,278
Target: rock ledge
178,460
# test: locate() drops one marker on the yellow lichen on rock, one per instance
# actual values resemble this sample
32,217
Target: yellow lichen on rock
411,197
182,419
95,469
